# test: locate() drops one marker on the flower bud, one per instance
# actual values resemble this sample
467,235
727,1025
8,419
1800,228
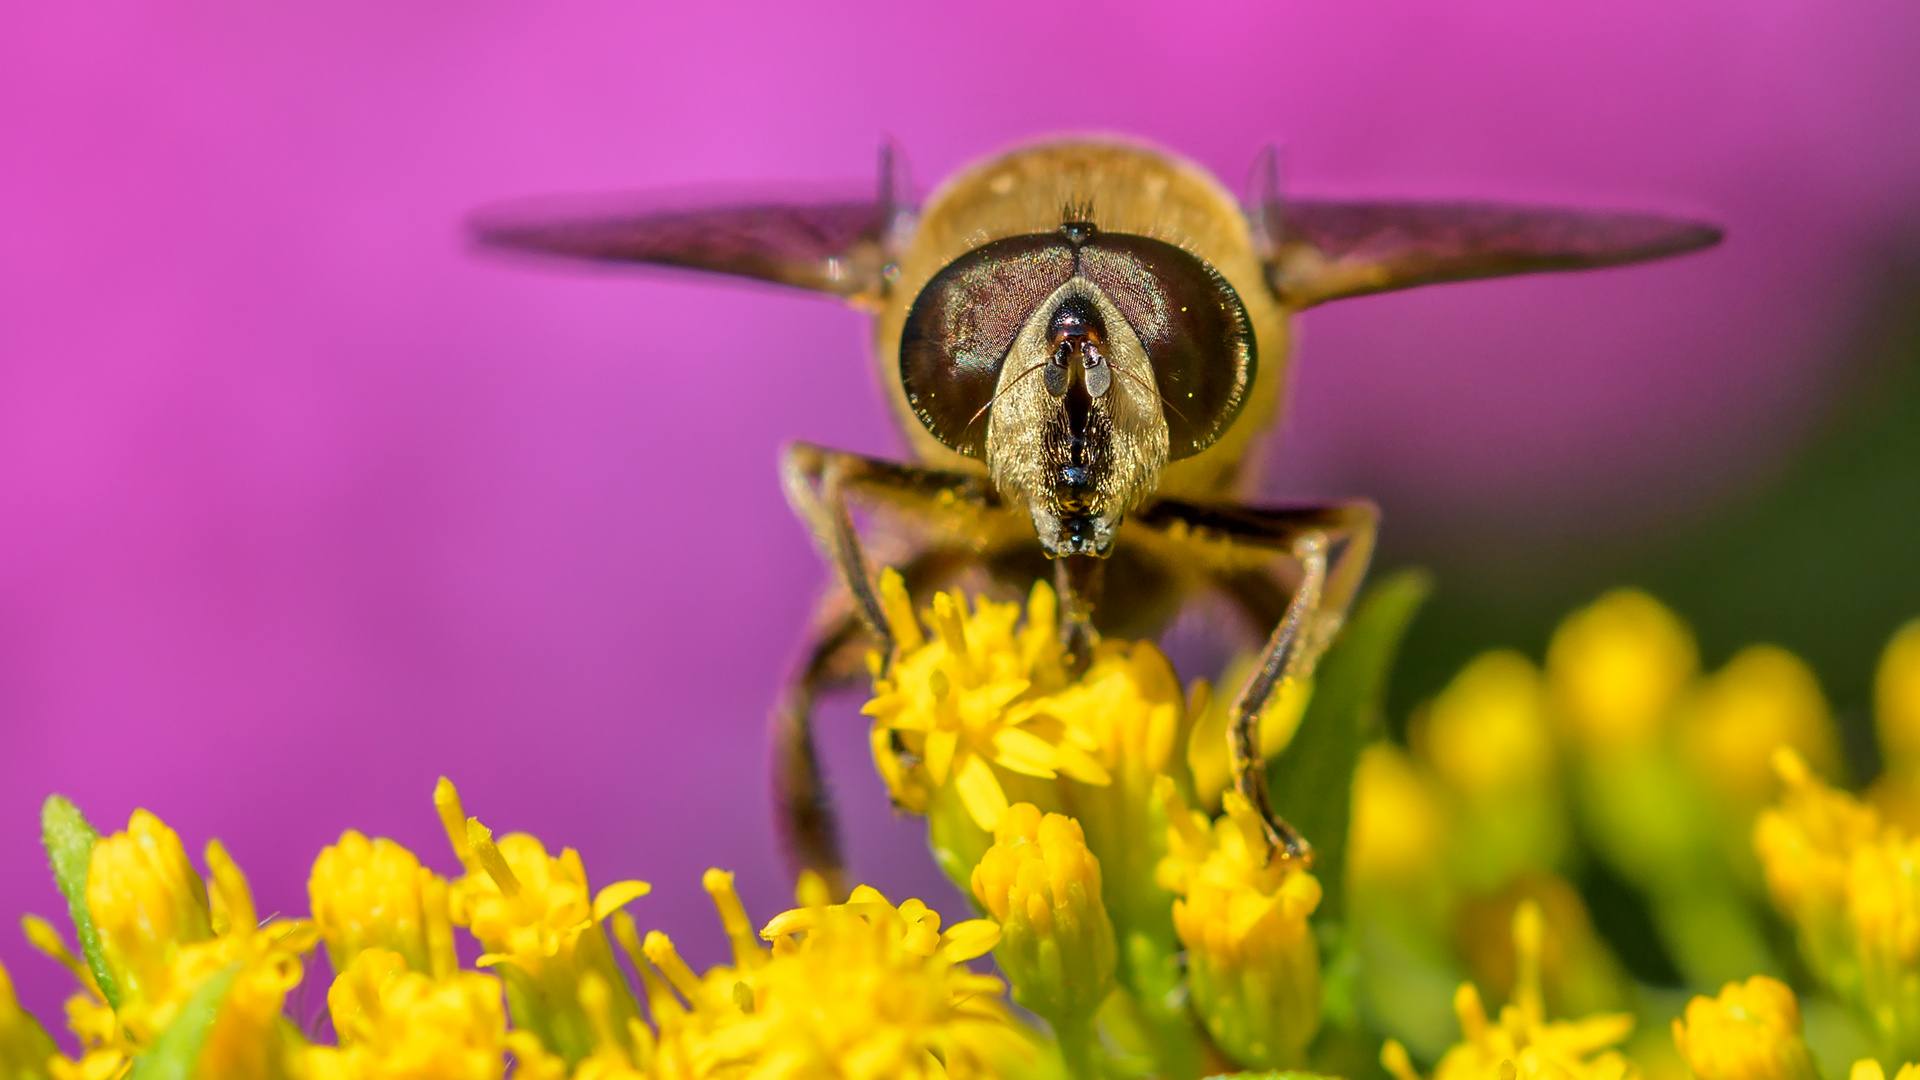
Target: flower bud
147,901
1750,1032
370,894
1617,667
1252,961
1043,886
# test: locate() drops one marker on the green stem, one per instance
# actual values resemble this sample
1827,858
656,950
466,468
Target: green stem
1076,1048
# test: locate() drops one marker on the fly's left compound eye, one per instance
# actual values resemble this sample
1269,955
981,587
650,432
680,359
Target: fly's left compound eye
1192,325
963,323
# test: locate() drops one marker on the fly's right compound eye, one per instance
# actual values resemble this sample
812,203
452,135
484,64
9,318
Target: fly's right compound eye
962,325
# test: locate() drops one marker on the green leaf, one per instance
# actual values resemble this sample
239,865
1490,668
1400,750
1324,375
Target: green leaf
69,842
177,1050
1312,780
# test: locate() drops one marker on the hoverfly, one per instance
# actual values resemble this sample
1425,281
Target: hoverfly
1082,341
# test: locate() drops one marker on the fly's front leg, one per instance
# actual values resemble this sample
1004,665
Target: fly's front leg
819,484
1328,584
809,830
815,480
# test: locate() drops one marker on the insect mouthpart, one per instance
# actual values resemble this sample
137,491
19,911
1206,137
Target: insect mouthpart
1077,432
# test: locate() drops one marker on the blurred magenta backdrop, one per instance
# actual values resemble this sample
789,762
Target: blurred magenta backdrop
301,507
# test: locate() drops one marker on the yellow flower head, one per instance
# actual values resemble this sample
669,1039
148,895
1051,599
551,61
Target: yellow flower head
146,901
1750,1032
164,935
1043,885
539,923
394,1021
1850,885
1490,743
1896,699
1869,1069
1807,846
1524,1045
1399,825
959,702
1253,963
24,1044
1617,667
369,894
861,990
1765,698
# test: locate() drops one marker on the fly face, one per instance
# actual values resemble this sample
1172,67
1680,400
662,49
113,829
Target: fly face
1076,365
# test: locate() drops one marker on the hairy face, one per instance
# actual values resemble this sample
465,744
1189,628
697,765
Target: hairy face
1076,365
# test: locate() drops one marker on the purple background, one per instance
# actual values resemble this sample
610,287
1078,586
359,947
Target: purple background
300,506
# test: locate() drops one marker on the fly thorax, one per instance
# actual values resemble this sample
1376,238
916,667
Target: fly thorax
1076,429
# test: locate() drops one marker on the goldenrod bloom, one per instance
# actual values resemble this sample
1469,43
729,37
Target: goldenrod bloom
1869,1069
1765,698
540,925
1851,887
1524,1045
857,990
1043,886
164,934
1207,754
1616,669
1252,960
954,702
375,894
1750,1032
1578,973
397,1023
1489,740
24,1045
1896,697
1896,714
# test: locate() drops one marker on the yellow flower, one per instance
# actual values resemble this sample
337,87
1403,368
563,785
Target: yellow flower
861,990
947,711
1763,699
163,935
370,894
1524,1045
540,925
24,1045
1616,669
1869,1069
1750,1032
1043,885
1490,742
395,1023
1896,698
1252,961
1897,717
1207,755
1578,974
146,902
1399,825
1850,885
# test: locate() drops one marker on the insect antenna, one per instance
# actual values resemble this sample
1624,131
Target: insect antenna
1154,390
1010,385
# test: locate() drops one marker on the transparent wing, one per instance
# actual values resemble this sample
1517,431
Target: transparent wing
1328,250
828,243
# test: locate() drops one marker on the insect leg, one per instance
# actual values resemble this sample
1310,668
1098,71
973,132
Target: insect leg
819,484
809,830
1327,587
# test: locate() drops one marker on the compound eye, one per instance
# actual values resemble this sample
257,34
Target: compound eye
1192,324
963,323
